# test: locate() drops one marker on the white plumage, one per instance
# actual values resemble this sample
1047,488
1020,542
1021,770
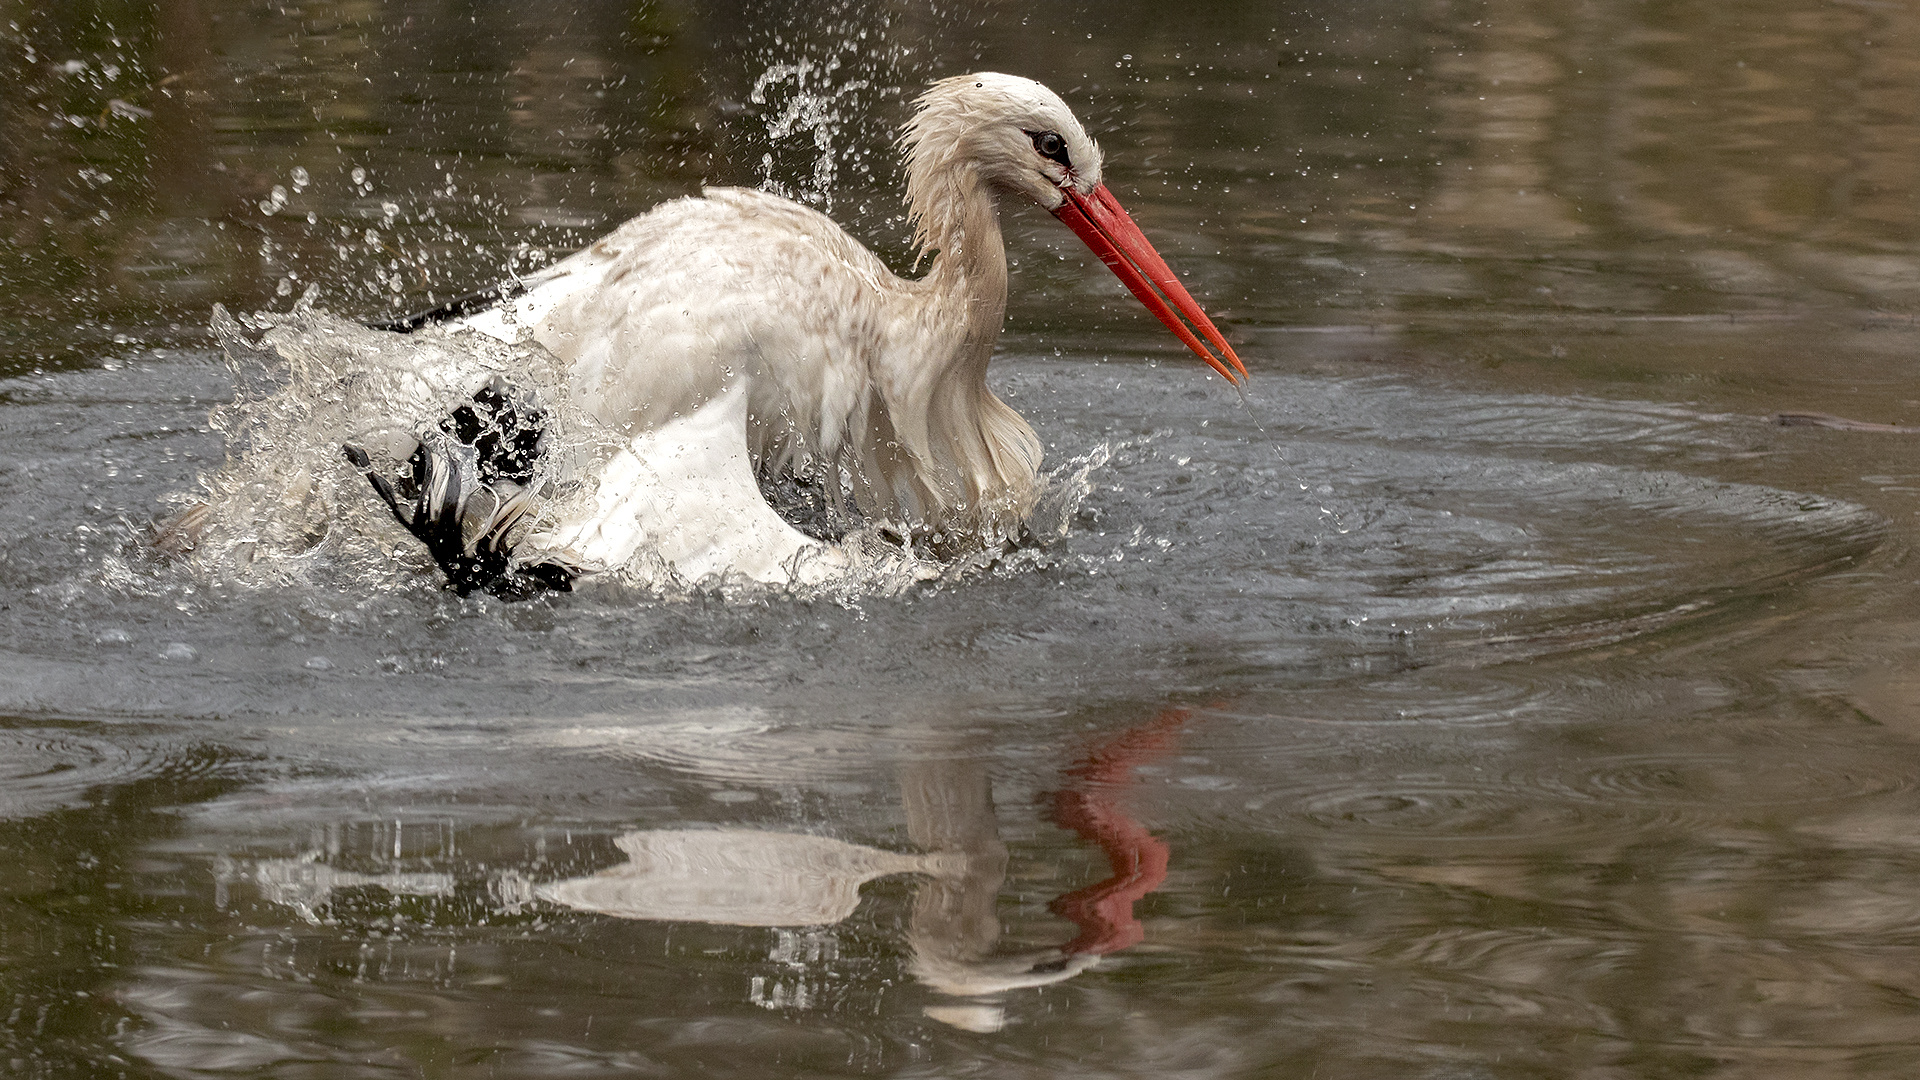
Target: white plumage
739,332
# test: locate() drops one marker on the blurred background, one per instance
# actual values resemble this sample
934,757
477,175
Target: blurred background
1403,166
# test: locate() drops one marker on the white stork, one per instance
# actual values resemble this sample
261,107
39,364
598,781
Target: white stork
739,334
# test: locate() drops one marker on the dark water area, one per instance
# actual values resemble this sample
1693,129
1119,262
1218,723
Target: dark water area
1500,691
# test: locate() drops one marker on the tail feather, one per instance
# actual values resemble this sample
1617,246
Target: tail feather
467,487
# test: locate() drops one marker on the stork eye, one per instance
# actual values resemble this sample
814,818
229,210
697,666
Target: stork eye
1049,145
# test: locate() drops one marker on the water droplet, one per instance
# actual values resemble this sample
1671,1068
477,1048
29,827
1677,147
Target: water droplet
359,175
300,178
178,650
1208,783
319,663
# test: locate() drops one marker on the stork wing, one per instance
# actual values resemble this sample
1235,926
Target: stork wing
685,492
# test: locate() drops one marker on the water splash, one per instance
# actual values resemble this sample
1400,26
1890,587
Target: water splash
811,102
1063,491
286,506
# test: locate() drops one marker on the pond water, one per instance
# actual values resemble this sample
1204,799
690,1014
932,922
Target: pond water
1500,691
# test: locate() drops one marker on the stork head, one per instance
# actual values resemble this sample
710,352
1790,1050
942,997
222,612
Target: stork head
1021,139
1019,136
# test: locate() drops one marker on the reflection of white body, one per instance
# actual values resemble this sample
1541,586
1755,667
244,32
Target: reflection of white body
803,885
739,877
736,877
716,334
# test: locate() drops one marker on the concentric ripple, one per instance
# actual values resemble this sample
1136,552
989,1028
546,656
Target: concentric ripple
1500,809
1724,780
44,769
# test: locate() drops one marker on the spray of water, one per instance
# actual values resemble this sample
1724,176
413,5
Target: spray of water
805,98
287,507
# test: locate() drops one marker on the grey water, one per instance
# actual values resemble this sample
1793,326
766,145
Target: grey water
1500,691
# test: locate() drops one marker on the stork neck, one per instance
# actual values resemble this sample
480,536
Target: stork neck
969,275
973,460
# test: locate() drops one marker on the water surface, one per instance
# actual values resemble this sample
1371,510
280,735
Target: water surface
1499,692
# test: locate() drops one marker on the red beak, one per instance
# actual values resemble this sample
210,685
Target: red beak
1103,226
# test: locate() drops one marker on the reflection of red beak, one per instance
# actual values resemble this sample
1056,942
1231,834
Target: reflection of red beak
1100,222
1104,911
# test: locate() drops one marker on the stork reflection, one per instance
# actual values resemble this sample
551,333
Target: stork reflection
793,880
805,885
